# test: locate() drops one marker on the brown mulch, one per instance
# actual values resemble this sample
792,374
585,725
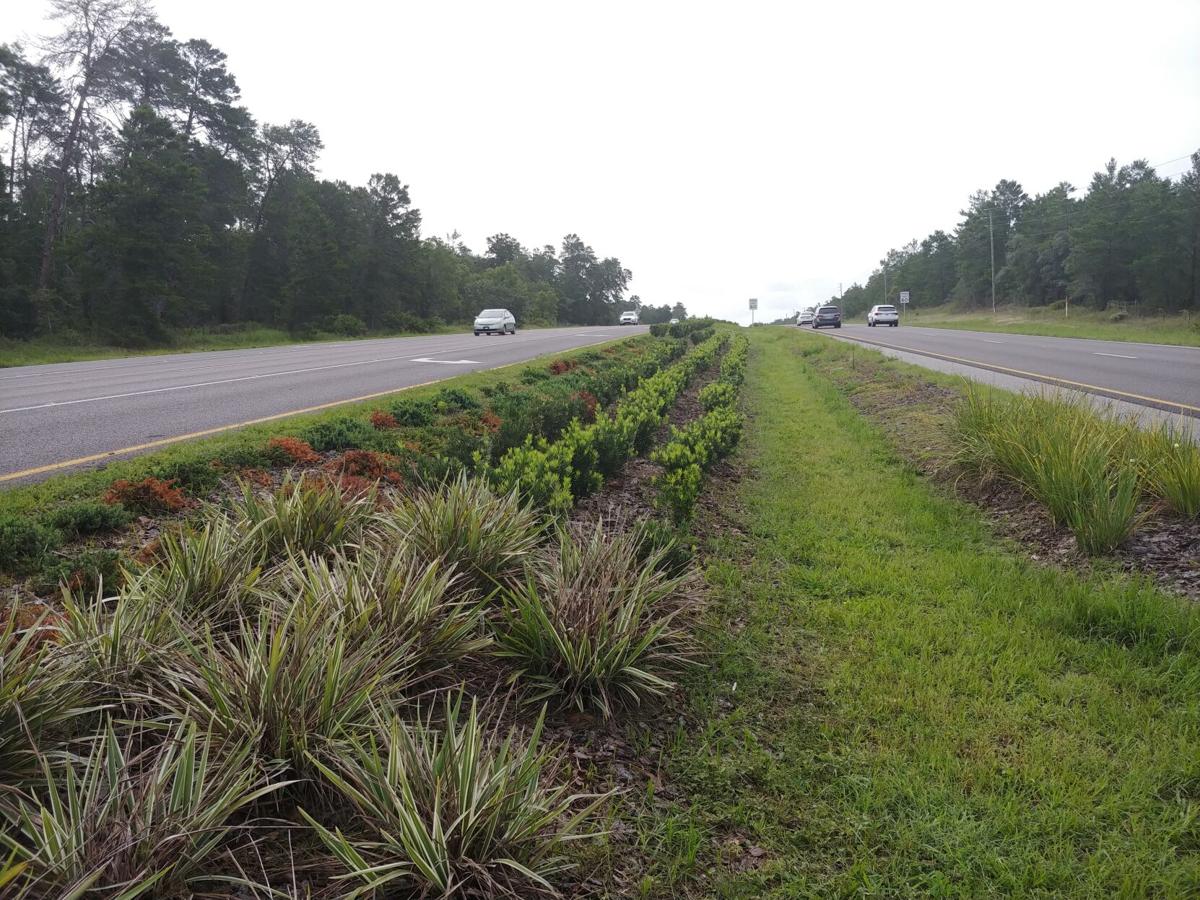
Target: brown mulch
916,415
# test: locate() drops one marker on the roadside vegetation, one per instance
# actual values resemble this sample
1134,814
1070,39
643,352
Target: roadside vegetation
412,435
44,350
1092,471
899,704
337,663
1123,252
1178,329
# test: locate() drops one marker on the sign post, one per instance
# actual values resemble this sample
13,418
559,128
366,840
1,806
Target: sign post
753,307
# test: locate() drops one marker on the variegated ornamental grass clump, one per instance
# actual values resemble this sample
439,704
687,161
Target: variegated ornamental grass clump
140,812
596,624
484,534
449,809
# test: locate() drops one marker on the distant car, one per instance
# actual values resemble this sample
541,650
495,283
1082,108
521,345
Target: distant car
673,322
629,317
495,321
883,315
827,315
805,318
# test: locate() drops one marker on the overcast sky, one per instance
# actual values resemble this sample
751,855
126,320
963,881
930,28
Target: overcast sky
722,151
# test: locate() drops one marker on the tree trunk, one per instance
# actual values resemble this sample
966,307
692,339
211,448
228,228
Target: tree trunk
12,154
54,220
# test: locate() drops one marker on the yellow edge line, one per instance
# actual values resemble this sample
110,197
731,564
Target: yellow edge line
163,442
1036,375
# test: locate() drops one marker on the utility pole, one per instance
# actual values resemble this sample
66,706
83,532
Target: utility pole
992,242
885,281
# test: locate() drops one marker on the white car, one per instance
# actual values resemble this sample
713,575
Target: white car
629,317
673,322
495,321
805,317
883,315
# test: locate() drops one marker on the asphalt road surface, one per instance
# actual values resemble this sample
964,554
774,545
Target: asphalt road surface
1156,375
69,415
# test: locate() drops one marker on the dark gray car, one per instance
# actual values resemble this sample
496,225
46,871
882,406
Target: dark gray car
828,315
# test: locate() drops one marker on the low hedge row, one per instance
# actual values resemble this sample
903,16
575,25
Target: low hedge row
554,474
430,438
701,443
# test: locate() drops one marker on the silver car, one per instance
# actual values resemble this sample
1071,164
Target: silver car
883,315
495,321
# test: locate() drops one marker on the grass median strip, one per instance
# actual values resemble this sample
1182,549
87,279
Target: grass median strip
900,706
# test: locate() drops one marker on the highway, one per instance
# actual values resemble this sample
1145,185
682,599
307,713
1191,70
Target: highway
1160,376
67,415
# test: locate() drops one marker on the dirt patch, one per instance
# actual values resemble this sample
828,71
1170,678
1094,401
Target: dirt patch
917,416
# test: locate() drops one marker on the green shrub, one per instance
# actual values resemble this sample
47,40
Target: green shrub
24,543
88,517
250,458
595,623
344,324
536,475
84,574
455,399
449,809
413,413
340,434
678,491
719,393
197,477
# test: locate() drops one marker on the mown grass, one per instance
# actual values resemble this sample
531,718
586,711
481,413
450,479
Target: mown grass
40,351
899,706
1182,329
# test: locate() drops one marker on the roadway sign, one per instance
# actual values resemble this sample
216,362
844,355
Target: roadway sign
904,296
754,303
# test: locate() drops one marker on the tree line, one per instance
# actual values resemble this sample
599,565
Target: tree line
1132,240
139,196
